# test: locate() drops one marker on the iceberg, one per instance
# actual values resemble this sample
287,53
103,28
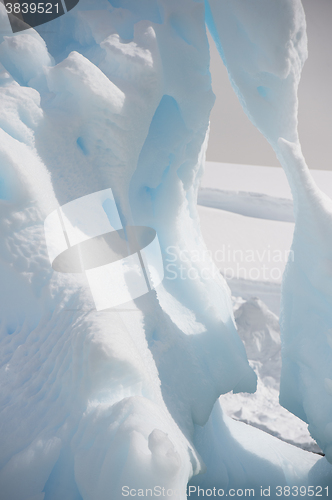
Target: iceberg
106,402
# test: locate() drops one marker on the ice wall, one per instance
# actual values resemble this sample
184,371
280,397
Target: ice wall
95,401
118,95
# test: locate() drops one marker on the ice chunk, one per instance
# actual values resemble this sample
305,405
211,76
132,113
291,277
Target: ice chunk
92,400
24,56
241,457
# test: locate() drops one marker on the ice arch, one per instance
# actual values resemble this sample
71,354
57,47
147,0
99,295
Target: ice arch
118,96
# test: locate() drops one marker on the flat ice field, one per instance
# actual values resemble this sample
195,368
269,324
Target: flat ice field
257,180
246,216
251,253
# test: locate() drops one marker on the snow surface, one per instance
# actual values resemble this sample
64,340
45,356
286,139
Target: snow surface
251,253
246,247
118,95
259,330
254,179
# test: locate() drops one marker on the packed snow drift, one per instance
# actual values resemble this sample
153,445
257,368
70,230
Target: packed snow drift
100,403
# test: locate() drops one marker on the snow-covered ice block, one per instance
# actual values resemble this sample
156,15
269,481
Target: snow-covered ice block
241,457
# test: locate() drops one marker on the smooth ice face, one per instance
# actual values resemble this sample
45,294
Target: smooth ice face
306,313
264,46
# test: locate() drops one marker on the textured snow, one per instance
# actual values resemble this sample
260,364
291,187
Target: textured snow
259,329
118,95
250,450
